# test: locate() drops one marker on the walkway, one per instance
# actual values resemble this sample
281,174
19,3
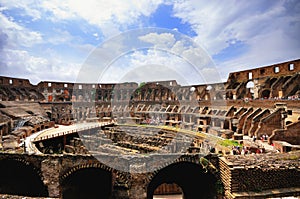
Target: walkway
58,130
61,130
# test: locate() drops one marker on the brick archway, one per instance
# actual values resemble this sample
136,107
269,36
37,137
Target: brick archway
265,93
19,177
87,181
186,174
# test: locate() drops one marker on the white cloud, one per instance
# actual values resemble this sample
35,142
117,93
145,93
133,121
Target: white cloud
183,47
163,40
18,35
22,64
219,21
156,65
165,56
60,37
264,51
266,28
109,16
30,7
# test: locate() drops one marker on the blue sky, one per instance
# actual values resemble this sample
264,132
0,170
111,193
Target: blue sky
52,40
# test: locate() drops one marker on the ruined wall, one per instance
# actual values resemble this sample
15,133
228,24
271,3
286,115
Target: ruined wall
275,70
256,122
56,91
270,123
278,80
15,89
291,134
9,81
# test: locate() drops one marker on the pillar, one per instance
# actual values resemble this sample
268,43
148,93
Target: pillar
50,169
138,186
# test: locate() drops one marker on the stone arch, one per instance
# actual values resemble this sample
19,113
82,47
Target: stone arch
14,176
185,174
83,166
226,124
229,95
288,122
250,89
250,84
87,181
219,96
265,93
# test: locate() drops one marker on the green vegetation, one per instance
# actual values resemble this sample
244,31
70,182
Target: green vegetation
138,90
220,187
293,155
228,143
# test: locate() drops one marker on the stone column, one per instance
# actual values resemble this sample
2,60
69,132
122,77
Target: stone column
120,187
50,169
138,186
234,95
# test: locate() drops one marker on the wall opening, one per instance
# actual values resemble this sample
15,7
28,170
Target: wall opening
18,178
276,69
188,176
219,96
250,75
250,84
229,95
291,67
288,122
250,87
87,183
168,190
265,94
226,124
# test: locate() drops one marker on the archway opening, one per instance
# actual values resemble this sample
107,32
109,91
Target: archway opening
190,177
250,88
265,94
87,183
219,96
229,95
288,122
168,190
18,178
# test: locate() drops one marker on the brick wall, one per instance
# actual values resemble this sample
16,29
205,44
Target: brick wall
258,174
274,70
291,134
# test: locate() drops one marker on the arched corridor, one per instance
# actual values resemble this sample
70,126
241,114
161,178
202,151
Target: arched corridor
87,183
190,177
18,178
265,93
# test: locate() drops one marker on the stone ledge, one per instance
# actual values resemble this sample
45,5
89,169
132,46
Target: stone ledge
294,191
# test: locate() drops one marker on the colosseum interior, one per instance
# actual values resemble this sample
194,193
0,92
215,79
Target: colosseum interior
255,110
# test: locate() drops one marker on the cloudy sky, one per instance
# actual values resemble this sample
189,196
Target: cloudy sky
56,40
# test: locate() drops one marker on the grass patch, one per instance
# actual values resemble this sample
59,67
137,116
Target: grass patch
228,143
